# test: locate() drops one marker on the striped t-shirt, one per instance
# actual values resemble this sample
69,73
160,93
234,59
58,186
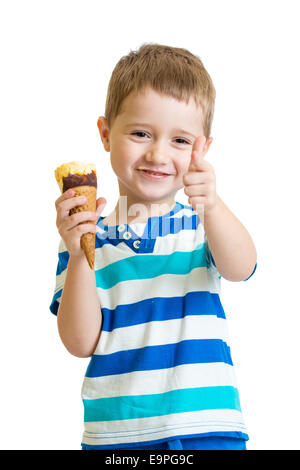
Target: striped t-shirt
162,368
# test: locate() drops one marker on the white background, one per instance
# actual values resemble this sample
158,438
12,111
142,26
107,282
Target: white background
56,62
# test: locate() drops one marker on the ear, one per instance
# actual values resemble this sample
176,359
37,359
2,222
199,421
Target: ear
104,132
207,145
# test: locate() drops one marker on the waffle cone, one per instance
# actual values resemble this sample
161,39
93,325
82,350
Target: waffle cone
87,241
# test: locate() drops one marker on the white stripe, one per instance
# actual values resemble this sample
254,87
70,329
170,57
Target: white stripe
159,381
162,332
62,247
167,285
138,228
109,254
200,279
185,240
154,428
187,211
60,278
60,281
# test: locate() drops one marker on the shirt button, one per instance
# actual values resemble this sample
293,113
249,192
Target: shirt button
136,244
121,228
127,235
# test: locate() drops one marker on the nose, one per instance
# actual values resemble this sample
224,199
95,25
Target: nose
157,153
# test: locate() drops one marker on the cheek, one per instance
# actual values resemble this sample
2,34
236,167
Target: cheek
123,155
126,150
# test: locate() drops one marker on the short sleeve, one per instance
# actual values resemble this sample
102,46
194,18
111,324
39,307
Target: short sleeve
251,273
211,262
63,259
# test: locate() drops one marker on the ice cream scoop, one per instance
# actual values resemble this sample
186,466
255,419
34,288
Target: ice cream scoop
82,178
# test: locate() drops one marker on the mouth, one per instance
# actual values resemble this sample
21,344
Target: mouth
144,170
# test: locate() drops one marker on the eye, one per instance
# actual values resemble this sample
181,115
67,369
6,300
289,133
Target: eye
183,141
139,132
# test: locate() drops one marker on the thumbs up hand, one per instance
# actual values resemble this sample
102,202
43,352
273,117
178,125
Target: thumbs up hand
200,180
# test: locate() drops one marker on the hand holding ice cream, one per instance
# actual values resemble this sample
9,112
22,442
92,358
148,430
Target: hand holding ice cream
77,208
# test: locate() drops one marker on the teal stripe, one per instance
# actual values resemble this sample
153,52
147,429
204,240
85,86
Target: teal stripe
150,266
176,401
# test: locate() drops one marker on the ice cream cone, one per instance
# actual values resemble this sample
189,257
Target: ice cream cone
87,241
81,177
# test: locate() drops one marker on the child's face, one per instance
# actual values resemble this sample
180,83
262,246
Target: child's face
156,132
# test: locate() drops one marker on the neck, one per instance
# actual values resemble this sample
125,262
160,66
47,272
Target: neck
126,212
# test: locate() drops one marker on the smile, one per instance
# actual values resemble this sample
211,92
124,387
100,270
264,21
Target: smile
152,174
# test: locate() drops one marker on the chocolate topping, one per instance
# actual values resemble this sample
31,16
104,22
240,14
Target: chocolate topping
70,181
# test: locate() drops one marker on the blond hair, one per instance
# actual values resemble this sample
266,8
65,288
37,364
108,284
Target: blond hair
168,70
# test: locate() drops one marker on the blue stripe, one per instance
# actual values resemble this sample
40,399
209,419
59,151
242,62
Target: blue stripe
156,309
162,308
54,305
237,435
156,226
159,404
63,259
192,351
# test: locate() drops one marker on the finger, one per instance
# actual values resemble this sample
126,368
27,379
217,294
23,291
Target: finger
85,228
197,155
66,195
198,143
203,173
100,204
193,177
70,203
198,203
64,208
197,189
79,218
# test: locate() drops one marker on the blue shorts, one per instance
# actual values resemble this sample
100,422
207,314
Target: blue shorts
195,443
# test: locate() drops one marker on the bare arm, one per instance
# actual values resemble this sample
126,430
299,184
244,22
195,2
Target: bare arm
79,316
231,245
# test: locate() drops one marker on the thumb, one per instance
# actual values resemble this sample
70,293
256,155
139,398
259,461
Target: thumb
100,204
197,153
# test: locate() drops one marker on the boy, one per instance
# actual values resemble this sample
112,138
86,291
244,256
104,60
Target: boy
149,315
